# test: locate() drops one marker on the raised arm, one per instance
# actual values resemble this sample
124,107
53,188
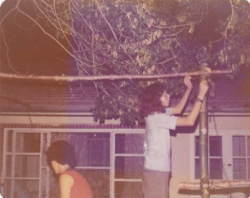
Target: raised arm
189,120
181,104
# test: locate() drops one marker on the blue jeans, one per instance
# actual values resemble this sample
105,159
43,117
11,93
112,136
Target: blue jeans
155,184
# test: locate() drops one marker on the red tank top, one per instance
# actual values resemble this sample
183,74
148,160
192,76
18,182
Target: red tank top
80,188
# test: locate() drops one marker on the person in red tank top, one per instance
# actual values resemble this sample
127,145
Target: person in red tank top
62,159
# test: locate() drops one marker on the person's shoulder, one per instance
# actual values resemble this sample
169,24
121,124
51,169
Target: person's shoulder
65,179
64,175
163,114
169,111
68,172
155,116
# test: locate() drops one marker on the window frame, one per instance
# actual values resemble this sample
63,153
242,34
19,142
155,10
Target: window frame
227,153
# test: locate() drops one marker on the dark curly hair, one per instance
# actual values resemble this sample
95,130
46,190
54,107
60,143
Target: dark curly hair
150,100
61,152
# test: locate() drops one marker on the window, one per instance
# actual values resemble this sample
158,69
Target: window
128,165
98,150
214,157
241,157
23,156
111,161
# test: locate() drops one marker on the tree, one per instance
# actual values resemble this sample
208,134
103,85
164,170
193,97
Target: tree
144,37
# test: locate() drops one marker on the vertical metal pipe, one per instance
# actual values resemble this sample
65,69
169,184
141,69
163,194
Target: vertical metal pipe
203,128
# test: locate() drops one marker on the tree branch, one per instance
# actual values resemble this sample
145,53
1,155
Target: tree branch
109,77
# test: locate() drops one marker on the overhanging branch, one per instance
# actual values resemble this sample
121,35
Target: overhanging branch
109,77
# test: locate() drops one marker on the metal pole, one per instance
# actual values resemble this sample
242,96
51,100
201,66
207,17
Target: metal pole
204,144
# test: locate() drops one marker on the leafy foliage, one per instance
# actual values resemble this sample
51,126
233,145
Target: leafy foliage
125,37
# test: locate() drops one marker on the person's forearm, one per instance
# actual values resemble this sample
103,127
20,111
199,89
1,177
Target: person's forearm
181,104
190,119
192,116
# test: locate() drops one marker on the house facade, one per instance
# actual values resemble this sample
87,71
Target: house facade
111,156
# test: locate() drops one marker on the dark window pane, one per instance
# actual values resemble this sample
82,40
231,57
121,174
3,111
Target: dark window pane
120,143
98,152
9,160
10,141
128,190
197,169
248,146
8,190
215,145
21,188
197,146
239,168
248,168
44,184
216,168
28,142
129,167
129,143
45,145
239,148
27,166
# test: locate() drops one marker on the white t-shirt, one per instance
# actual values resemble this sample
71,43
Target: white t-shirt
158,145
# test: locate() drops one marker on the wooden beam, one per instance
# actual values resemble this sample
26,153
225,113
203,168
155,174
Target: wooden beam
215,184
108,77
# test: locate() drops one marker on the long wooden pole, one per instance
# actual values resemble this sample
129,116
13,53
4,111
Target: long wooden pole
215,184
108,77
203,128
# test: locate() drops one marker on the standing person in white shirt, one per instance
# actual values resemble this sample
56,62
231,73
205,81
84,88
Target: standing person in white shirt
159,119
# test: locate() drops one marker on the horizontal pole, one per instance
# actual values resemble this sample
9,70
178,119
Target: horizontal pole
215,184
109,77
